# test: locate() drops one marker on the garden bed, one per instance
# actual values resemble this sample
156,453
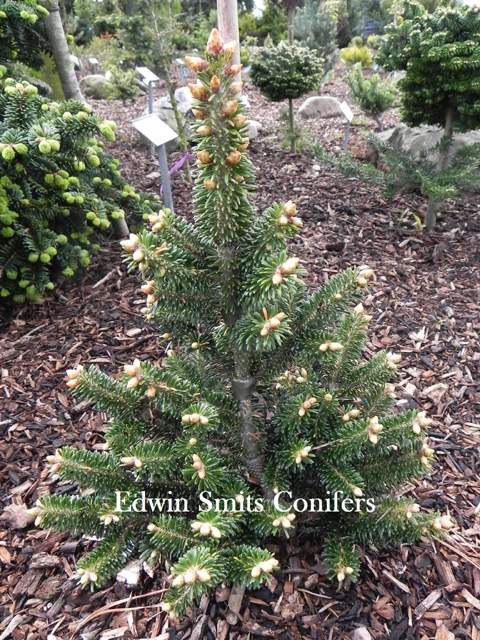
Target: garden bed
426,305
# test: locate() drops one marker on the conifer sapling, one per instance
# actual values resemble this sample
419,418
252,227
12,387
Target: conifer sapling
261,414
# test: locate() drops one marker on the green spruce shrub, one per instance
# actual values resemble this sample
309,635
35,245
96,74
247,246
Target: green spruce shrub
122,85
315,26
57,188
371,94
354,54
262,398
286,72
439,53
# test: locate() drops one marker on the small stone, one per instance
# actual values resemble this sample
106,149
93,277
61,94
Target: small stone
361,633
16,516
130,574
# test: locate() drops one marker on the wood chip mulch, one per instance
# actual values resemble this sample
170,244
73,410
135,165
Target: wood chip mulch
425,299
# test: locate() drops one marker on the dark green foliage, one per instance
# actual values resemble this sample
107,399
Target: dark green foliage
58,187
285,71
371,94
122,85
440,54
22,34
263,412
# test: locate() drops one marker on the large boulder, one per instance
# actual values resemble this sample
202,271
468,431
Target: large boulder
422,139
321,107
183,97
94,86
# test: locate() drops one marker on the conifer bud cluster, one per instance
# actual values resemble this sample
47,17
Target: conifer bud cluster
190,576
36,512
131,461
198,466
364,276
56,462
206,529
361,311
156,220
193,418
87,576
267,566
343,573
305,406
351,415
133,370
330,346
108,518
288,215
444,523
421,421
285,269
285,522
426,454
393,359
390,390
272,324
374,428
411,509
302,454
72,376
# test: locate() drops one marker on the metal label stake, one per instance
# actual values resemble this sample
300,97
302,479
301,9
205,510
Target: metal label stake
148,78
158,133
93,62
347,112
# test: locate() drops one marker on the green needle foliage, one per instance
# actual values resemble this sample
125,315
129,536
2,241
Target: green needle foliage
286,72
440,55
371,94
22,33
57,187
263,416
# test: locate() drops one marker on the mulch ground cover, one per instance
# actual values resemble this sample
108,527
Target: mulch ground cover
425,299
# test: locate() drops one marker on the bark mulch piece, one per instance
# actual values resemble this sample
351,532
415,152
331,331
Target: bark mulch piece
425,301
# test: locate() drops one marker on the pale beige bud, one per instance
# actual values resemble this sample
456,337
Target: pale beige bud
349,571
71,384
357,492
300,379
328,397
234,69
128,461
195,346
216,533
239,120
198,91
55,467
289,266
203,575
204,420
194,417
192,441
336,346
205,529
148,287
196,526
298,459
366,273
196,64
341,576
179,581
235,88
291,517
233,157
229,108
152,527
166,606
446,522
286,524
170,353
209,185
230,48
283,221
354,413
132,383
265,330
373,438
256,572
424,461
275,322
359,309
214,84
301,412
437,524
345,417
297,222
277,278
204,130
108,520
324,347
362,282
276,523
338,296
151,392
138,255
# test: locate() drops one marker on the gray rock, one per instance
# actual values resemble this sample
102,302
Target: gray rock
245,102
254,129
184,99
421,139
155,175
321,107
94,86
361,633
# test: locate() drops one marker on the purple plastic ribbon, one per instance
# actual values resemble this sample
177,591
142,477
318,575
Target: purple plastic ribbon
177,166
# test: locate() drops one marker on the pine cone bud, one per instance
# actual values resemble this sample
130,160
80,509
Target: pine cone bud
283,221
328,397
131,244
148,287
446,522
132,383
203,575
277,278
361,281
265,330
229,108
234,157
215,43
196,526
286,524
71,384
297,222
204,130
341,576
234,69
244,145
151,392
239,121
359,309
198,114
235,88
204,157
198,91
138,255
276,523
366,273
196,64
256,572
275,322
289,266
289,208
345,417
335,346
205,529
209,185
373,438
357,492
416,428
214,84
179,581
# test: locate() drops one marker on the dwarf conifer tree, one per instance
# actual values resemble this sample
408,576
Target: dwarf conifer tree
440,55
371,94
261,401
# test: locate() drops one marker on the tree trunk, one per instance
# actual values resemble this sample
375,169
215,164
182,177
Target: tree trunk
291,20
291,119
227,11
447,138
61,54
431,216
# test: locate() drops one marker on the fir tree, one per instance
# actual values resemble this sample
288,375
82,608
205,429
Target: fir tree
262,397
370,94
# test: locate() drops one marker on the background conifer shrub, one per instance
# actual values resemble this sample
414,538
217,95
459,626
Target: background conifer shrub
371,94
263,388
57,187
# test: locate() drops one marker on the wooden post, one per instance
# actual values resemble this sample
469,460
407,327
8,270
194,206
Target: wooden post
228,24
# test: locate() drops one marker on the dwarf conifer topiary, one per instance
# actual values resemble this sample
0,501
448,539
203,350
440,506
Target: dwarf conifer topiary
286,72
57,187
371,94
262,417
